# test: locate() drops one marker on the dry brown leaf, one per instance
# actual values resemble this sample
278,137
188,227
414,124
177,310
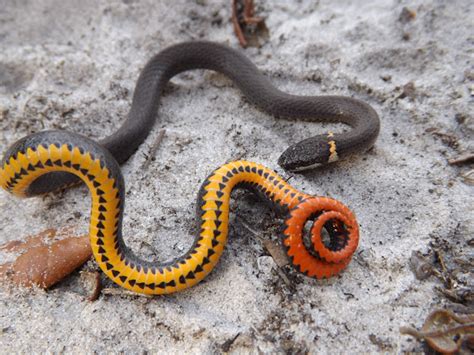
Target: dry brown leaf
44,261
29,242
444,331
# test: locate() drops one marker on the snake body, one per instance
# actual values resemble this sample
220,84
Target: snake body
58,151
258,89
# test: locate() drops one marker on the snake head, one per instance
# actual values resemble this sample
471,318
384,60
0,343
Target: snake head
308,154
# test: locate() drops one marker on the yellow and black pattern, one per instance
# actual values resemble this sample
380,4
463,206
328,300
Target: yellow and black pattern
47,152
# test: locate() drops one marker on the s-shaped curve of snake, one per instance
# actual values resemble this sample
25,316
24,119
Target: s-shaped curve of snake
59,151
258,89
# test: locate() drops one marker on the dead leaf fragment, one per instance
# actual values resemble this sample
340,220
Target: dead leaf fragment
17,246
44,262
406,15
422,268
444,331
93,283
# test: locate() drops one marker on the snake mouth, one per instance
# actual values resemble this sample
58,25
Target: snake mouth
301,167
293,161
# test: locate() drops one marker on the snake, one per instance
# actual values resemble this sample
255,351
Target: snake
258,89
311,251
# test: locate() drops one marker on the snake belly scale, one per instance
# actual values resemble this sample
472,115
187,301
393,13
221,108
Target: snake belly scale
59,151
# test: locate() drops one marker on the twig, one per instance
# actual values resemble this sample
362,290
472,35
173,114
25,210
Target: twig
462,159
465,328
228,343
469,177
154,149
291,176
441,334
276,253
123,292
237,27
248,18
249,13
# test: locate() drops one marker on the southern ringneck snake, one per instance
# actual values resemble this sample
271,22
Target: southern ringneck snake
59,151
258,89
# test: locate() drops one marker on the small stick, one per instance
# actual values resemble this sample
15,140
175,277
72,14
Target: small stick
123,292
154,149
277,255
462,159
237,28
249,13
248,18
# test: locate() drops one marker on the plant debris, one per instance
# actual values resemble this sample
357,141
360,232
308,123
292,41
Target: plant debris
276,252
407,15
422,267
45,259
468,177
247,27
465,158
154,149
408,90
444,331
93,283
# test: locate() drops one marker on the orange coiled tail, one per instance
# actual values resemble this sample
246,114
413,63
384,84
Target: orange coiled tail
328,247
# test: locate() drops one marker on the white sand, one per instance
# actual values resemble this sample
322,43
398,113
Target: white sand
73,65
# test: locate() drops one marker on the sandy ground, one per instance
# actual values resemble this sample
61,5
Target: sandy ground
72,65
